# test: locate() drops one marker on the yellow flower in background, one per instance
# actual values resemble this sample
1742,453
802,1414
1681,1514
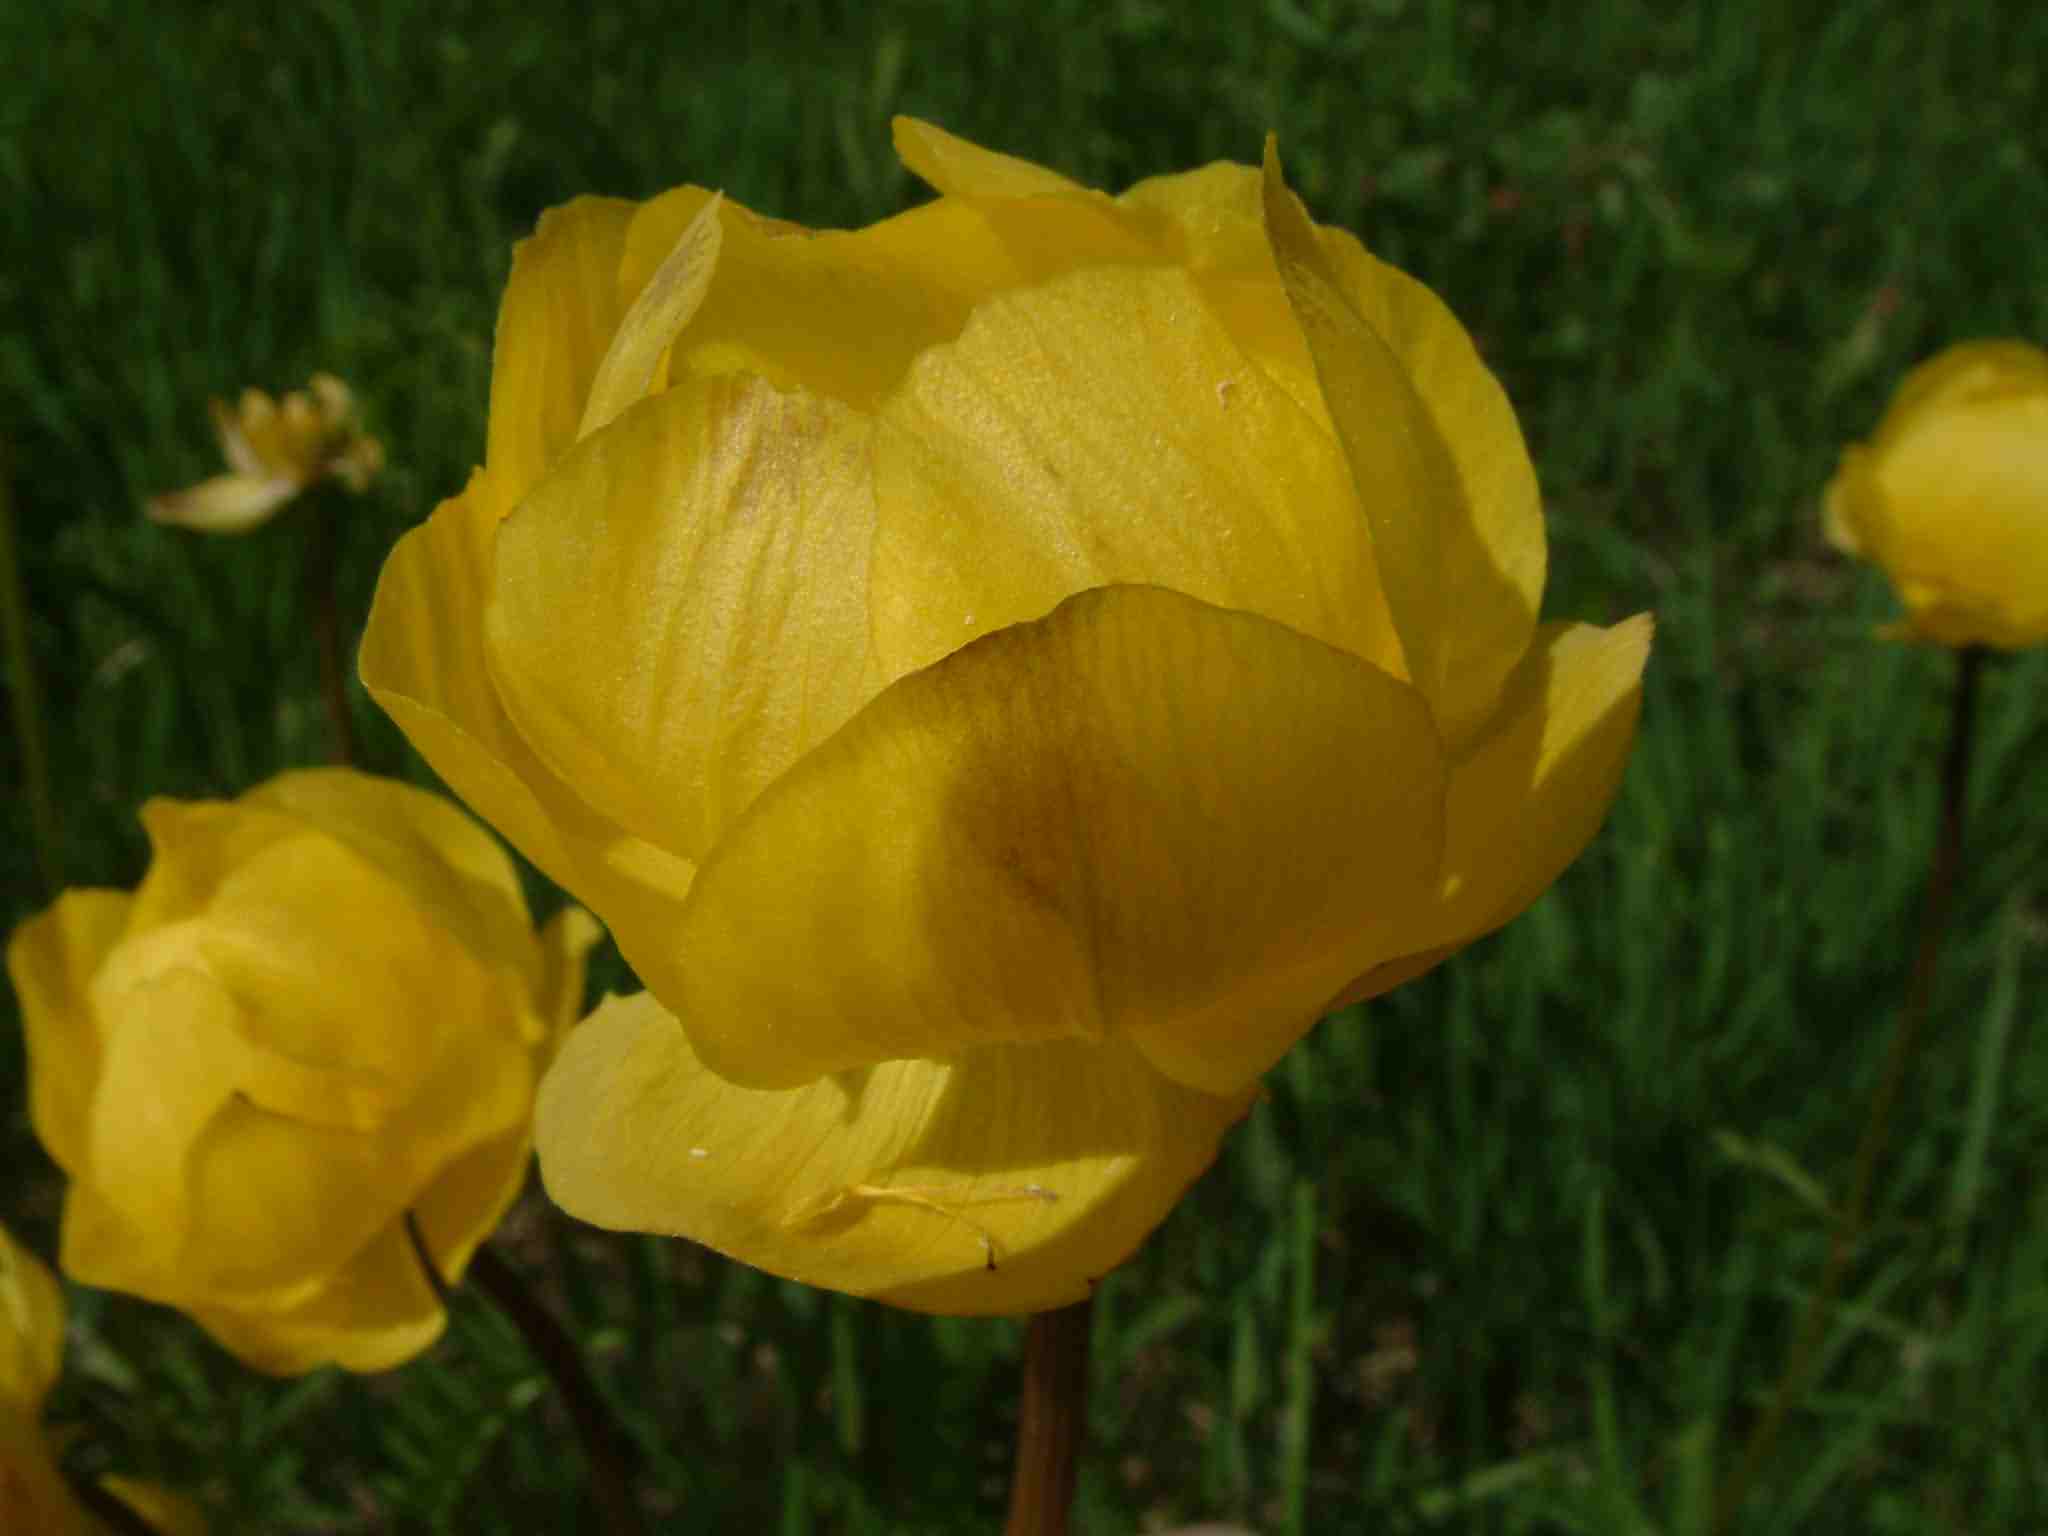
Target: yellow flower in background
1950,496
34,1496
1002,674
324,1007
275,450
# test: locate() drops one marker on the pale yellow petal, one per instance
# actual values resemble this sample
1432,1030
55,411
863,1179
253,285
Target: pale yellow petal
31,1327
1008,1180
667,304
1105,429
1405,480
225,503
1140,818
727,527
51,960
950,164
561,308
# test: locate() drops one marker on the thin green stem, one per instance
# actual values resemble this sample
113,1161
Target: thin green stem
1052,1422
605,1450
1849,1226
25,694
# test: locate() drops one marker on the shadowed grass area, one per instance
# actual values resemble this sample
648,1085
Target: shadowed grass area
1519,1247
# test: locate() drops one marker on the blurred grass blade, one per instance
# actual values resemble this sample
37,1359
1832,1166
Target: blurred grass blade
1301,1363
1967,1178
25,698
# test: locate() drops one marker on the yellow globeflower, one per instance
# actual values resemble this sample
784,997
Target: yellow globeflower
1002,674
275,450
1950,496
324,1008
34,1496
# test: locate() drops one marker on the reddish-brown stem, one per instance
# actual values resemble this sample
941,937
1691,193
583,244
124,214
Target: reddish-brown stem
1051,1423
1849,1225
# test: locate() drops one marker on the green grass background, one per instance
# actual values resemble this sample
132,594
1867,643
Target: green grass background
1515,1249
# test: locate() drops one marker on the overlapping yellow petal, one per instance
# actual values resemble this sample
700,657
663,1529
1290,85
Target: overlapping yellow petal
1527,797
1036,639
1006,1180
446,865
1105,429
323,1008
51,960
665,304
372,1315
1492,552
1141,817
561,308
729,526
1405,482
843,313
423,661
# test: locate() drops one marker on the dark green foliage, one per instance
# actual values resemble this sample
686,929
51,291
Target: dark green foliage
1526,1239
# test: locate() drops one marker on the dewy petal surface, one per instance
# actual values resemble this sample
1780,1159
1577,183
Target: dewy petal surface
727,527
51,959
1141,818
1005,1181
1528,796
1105,429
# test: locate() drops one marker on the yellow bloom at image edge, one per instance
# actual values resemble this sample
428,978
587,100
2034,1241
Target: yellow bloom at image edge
35,1499
1001,674
324,1007
1950,496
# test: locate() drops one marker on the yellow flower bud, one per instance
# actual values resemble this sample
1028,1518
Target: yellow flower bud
1950,496
324,1008
34,1496
275,452
1002,674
